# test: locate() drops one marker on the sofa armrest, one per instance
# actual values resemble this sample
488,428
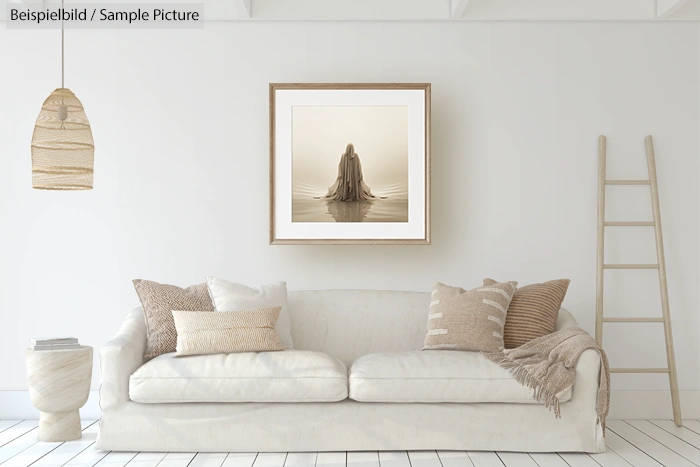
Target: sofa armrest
587,378
120,357
588,365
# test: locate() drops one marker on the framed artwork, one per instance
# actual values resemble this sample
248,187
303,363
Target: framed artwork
349,164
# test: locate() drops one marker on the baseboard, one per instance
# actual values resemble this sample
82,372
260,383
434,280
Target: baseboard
16,405
652,405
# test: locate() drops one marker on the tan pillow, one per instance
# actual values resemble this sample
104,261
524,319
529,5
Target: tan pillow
468,320
158,301
200,333
533,311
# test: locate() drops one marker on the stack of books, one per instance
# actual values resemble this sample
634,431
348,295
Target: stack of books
54,343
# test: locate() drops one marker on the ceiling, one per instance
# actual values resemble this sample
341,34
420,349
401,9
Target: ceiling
434,10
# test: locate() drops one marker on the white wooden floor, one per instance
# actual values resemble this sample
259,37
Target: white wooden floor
638,443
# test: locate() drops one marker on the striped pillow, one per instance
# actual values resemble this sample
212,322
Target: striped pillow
468,320
533,312
201,332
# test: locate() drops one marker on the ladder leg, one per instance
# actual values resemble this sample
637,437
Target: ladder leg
670,354
600,256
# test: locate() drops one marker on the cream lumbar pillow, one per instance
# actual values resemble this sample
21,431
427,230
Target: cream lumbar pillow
202,333
229,296
468,320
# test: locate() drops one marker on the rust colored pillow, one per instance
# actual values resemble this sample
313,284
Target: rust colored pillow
533,312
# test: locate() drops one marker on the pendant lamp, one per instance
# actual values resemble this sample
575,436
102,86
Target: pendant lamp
62,147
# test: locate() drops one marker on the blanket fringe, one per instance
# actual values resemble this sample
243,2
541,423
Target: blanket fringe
540,393
546,364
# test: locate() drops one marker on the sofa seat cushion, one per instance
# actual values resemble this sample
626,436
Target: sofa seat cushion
435,376
285,376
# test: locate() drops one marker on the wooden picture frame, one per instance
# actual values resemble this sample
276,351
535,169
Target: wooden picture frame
350,163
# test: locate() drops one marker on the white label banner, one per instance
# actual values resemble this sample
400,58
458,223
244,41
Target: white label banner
105,16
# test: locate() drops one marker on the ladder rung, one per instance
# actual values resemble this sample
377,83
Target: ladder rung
630,266
629,224
633,320
627,182
638,370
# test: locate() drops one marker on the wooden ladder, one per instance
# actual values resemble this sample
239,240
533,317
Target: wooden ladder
660,266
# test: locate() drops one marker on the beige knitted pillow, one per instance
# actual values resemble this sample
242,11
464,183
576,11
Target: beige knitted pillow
468,320
200,333
158,301
533,312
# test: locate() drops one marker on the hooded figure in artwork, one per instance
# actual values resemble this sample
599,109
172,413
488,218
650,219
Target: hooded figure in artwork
350,185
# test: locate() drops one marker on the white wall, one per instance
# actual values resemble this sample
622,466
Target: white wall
181,185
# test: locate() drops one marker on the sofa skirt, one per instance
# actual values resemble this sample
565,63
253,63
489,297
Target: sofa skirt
347,426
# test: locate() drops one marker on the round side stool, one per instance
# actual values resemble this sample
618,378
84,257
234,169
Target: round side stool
59,385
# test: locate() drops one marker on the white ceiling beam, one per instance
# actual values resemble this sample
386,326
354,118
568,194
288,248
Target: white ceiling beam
665,8
243,8
457,8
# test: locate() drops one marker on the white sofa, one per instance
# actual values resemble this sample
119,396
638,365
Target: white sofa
357,343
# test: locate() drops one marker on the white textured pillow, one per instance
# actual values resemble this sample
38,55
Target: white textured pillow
229,296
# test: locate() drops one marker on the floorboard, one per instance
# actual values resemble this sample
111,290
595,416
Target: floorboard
116,459
17,445
630,443
454,459
39,453
394,459
579,459
485,459
682,432
300,459
608,458
653,448
270,459
363,459
672,442
516,459
177,459
239,459
87,458
32,454
692,425
627,451
5,424
66,452
16,431
148,459
207,459
548,460
424,459
331,459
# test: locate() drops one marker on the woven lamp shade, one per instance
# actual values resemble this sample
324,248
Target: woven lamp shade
63,151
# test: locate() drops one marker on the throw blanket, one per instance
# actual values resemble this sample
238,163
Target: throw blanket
548,366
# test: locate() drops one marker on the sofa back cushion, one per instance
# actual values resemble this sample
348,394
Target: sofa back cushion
230,296
348,324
